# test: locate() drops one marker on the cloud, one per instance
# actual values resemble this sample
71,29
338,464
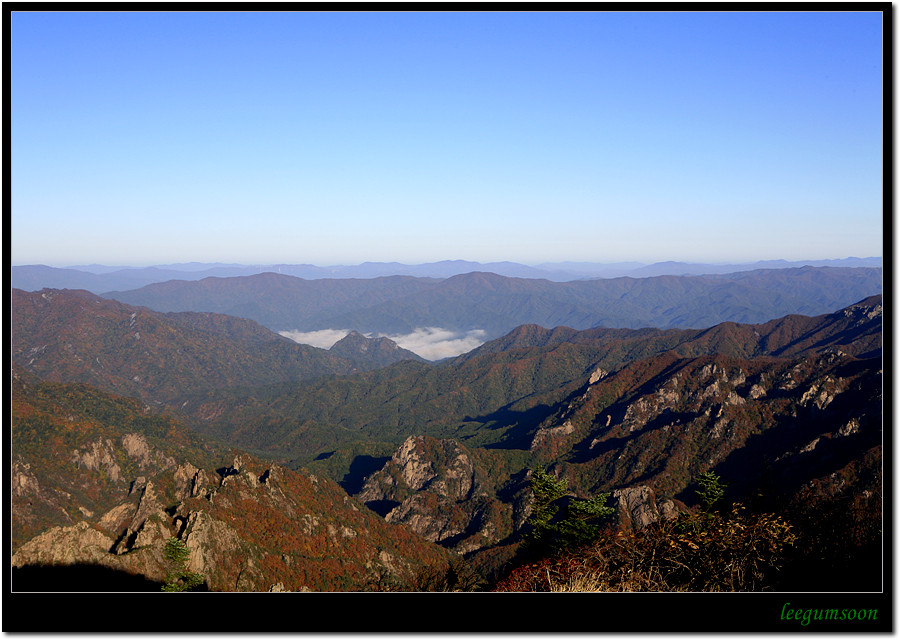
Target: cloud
432,343
324,339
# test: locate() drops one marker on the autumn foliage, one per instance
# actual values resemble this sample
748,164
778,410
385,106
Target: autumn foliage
735,551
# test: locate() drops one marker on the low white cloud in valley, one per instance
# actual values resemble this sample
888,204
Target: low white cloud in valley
432,343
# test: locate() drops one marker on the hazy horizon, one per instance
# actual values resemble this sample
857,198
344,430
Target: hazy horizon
533,263
338,138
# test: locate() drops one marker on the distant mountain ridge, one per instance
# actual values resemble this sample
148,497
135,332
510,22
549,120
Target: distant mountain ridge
495,304
102,279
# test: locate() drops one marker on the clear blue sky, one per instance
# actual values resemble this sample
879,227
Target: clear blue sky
337,138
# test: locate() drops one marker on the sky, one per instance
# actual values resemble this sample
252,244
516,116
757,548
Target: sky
343,137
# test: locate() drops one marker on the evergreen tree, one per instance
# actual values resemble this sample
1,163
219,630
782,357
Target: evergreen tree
578,524
711,490
179,578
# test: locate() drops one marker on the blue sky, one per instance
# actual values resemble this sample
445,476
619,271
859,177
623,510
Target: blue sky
338,138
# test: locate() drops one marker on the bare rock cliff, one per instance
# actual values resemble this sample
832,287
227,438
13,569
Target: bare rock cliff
435,488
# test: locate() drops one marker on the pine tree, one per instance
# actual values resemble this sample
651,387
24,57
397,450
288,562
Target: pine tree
179,578
578,524
711,490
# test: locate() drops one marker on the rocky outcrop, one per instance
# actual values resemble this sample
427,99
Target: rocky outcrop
548,435
87,544
636,507
435,488
248,528
65,545
443,467
554,435
22,481
663,420
868,309
99,456
148,524
137,448
216,548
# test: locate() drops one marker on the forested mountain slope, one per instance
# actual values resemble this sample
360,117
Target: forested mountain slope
800,436
76,336
787,411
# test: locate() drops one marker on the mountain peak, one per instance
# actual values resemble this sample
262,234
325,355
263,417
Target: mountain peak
355,342
356,347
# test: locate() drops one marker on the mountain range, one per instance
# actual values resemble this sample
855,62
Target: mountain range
496,395
101,279
494,304
177,411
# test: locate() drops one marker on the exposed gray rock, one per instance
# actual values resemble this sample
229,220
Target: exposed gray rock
83,543
597,375
415,469
639,506
100,456
433,524
547,434
437,493
850,428
23,481
756,391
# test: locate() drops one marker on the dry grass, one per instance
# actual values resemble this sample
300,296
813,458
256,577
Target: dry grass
598,583
706,552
